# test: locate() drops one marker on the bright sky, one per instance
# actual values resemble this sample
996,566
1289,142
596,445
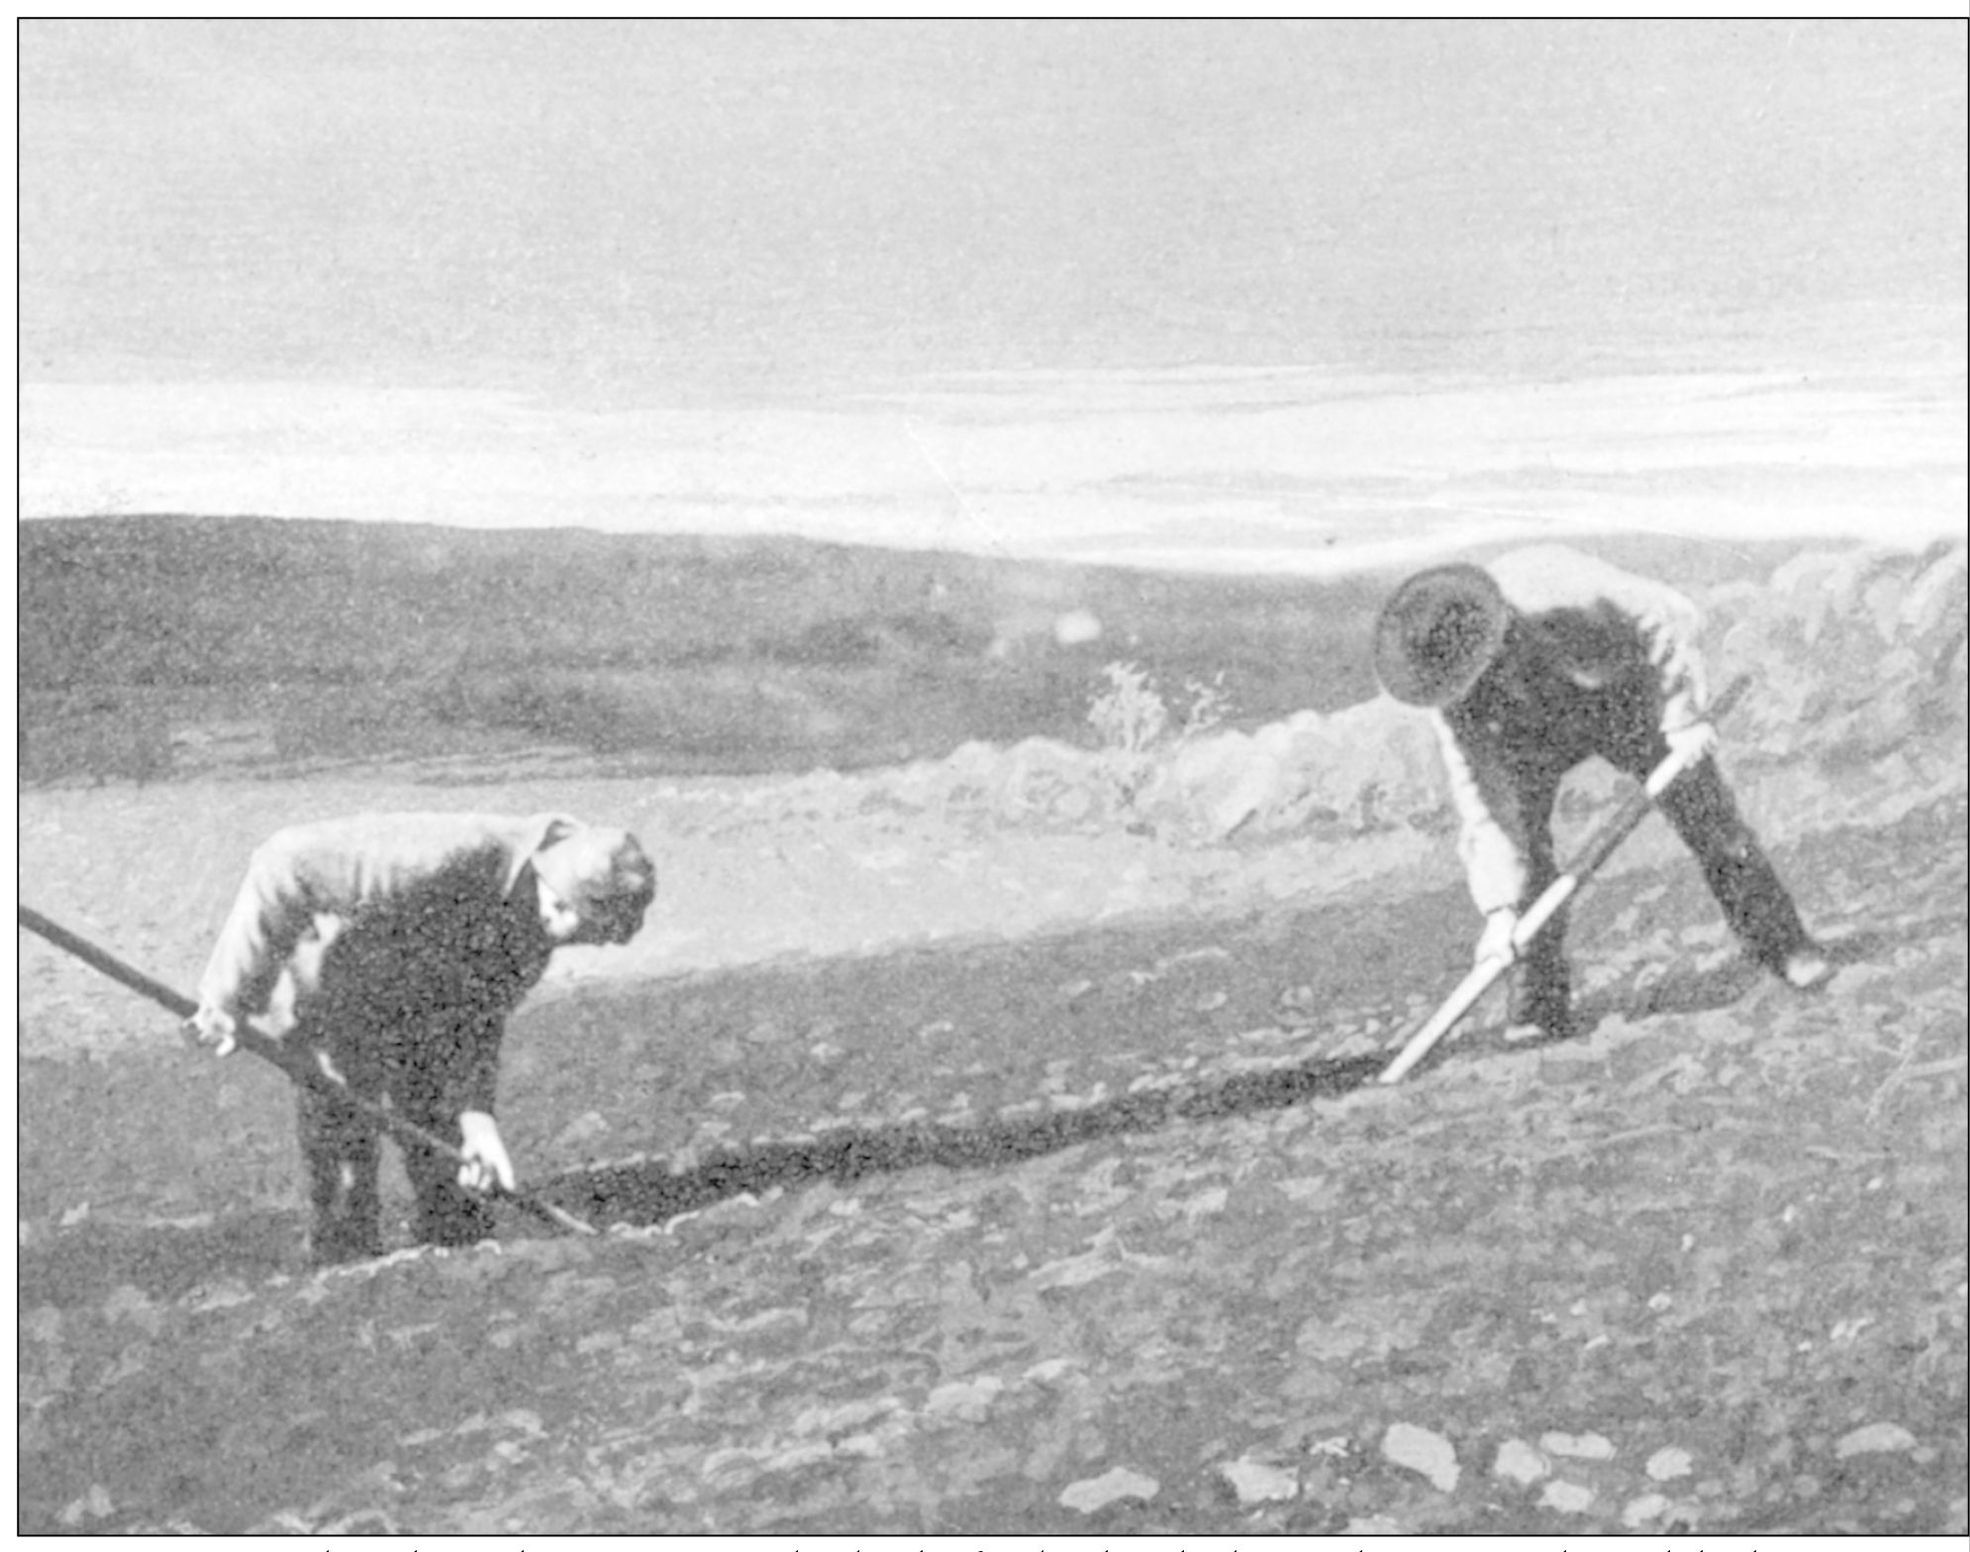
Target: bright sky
380,199
765,223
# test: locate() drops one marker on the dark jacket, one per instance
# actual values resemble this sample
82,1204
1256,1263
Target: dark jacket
1596,661
410,937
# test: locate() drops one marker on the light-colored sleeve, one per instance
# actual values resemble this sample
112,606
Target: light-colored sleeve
304,879
275,906
1671,626
1493,864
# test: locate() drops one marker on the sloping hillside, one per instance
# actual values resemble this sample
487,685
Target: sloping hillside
161,646
1702,1270
340,641
1092,1228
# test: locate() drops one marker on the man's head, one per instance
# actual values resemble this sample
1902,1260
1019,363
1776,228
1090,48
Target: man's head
1439,633
595,883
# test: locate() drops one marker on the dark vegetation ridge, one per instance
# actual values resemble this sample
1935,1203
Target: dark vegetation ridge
156,645
249,641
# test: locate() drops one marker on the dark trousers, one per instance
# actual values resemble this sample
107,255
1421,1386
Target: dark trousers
1740,876
342,1149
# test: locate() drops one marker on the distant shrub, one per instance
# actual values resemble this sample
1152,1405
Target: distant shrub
1207,708
1137,730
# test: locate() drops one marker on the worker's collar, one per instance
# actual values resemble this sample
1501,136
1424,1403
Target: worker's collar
541,832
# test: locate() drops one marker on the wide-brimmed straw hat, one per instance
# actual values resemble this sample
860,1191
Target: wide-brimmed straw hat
1439,633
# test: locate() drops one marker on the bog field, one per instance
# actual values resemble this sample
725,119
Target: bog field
978,1127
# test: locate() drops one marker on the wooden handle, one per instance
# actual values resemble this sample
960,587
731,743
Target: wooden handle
1599,847
289,1060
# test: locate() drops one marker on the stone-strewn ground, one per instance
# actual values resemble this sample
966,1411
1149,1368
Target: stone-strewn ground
1702,1268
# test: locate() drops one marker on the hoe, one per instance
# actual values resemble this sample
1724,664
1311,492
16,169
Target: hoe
1600,846
311,1074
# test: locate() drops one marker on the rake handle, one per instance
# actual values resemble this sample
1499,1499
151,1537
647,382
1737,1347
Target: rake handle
290,1061
1599,847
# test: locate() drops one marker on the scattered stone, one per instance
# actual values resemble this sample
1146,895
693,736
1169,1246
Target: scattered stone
1092,1493
282,1522
830,1420
1874,1439
1519,1462
223,1294
1668,1463
95,1504
363,1522
585,1128
796,1456
1650,1506
1577,1446
1426,1453
1256,1482
130,1361
1567,1497
728,1466
966,1399
43,1323
129,1302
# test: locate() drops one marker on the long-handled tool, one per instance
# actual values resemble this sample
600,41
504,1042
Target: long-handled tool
1600,846
292,1061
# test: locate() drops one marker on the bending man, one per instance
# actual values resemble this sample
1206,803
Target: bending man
395,945
1529,666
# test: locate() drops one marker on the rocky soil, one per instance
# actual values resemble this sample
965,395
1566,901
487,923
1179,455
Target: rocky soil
1092,1231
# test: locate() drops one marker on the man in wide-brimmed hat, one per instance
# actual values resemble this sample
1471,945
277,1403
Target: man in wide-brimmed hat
395,945
1530,665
